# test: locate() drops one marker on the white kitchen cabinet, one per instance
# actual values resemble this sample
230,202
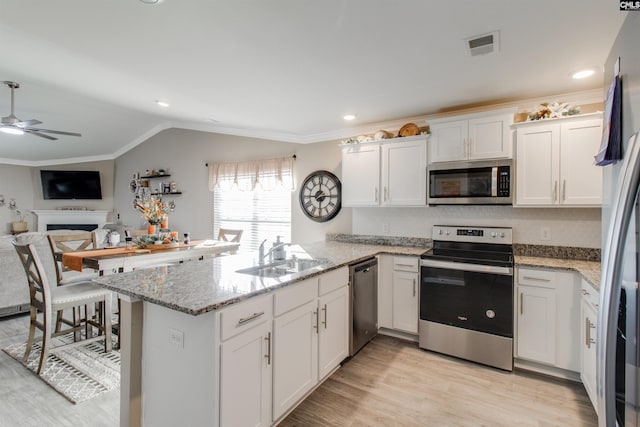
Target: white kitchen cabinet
398,293
361,175
310,336
555,165
385,173
245,378
404,173
589,330
295,348
246,363
471,137
333,334
547,315
405,294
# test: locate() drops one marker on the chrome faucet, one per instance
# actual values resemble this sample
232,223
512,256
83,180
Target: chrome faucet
262,255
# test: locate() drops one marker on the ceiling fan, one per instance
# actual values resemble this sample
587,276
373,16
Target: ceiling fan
13,125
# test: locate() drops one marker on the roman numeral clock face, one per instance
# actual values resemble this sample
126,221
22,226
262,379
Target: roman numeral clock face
320,196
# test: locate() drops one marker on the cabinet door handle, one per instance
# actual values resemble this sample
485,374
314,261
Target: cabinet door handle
386,194
317,315
268,355
585,292
375,193
564,190
555,190
244,320
465,146
325,316
414,287
588,326
521,304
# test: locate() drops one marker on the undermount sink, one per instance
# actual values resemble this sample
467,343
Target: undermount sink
281,268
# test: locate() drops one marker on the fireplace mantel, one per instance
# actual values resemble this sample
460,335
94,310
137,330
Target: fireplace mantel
62,216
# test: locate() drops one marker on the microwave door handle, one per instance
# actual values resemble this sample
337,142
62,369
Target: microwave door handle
494,181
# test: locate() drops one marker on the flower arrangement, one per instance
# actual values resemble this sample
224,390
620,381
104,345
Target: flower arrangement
162,238
554,110
153,210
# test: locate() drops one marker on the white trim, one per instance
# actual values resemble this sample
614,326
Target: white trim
61,216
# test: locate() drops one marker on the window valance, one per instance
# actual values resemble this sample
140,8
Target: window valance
265,174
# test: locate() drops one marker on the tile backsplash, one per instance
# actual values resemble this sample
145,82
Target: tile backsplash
534,226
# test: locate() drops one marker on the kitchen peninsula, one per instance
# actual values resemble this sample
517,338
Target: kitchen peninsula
182,324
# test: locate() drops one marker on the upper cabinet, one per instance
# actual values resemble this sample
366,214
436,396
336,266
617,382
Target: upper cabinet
390,172
471,137
555,162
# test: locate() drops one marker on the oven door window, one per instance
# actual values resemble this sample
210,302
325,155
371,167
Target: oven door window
478,301
474,182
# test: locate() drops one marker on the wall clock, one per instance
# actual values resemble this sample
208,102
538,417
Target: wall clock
321,196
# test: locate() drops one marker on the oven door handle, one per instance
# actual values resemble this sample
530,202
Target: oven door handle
476,268
443,281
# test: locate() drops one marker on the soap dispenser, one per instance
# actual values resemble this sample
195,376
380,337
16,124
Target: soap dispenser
278,250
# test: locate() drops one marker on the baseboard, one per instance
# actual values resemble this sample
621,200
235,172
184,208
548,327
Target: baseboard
14,309
398,334
552,371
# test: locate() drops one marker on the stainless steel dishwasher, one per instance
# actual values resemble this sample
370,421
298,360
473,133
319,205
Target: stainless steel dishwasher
363,279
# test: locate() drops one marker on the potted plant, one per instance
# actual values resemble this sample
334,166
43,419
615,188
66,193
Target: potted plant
21,225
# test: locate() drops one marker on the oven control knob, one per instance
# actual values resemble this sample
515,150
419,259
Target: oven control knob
493,234
447,232
502,235
440,232
490,314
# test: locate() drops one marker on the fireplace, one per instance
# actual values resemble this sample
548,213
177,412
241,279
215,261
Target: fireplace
84,227
71,219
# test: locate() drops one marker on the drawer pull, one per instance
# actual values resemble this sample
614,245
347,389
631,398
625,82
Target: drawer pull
325,316
244,320
405,265
585,292
538,279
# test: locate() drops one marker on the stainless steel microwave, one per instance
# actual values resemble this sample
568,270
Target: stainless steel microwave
471,183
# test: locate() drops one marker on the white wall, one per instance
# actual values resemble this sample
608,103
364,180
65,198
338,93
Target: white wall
184,154
15,183
567,227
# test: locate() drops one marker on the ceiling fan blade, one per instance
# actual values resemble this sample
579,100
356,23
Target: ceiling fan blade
57,132
27,123
42,135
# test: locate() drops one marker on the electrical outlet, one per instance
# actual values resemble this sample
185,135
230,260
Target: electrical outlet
176,338
545,233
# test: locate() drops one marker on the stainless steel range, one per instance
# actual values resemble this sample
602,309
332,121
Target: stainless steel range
466,294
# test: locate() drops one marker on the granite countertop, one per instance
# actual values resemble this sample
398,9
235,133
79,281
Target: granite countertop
200,286
590,270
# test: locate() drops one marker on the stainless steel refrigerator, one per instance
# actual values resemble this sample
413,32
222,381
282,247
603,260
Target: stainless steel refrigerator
618,353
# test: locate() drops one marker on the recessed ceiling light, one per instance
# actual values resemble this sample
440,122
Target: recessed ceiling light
349,116
164,104
12,131
582,74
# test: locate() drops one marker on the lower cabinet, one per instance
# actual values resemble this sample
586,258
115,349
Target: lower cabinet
295,369
245,381
310,340
547,318
398,288
405,294
589,315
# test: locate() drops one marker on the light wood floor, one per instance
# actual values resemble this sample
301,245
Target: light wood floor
25,400
389,383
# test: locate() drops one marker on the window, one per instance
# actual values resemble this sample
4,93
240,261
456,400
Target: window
260,214
255,197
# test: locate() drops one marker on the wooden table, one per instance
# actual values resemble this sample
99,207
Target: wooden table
119,259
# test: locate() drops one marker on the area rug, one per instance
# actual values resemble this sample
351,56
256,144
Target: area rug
78,373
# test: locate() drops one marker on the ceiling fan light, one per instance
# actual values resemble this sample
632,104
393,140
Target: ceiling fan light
163,104
12,131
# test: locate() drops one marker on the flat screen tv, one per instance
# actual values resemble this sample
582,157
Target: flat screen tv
71,185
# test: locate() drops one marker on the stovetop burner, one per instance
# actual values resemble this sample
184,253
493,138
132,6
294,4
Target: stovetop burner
473,245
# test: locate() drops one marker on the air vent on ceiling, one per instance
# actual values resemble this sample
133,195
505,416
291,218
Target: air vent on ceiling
484,44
